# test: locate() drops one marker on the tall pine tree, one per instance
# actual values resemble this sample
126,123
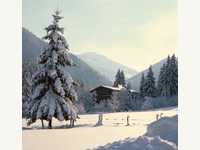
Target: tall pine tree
142,85
122,78
53,89
150,87
168,78
173,84
119,79
161,85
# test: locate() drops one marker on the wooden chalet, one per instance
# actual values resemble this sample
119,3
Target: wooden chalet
103,92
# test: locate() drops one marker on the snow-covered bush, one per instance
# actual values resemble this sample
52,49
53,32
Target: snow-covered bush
148,104
159,102
125,100
86,100
128,101
113,103
163,101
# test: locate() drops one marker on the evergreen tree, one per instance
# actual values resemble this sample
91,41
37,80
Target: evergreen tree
122,78
26,88
117,79
142,85
53,89
150,88
167,77
161,85
173,84
28,68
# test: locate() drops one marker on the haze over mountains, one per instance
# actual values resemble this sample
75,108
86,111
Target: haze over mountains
32,46
92,69
105,66
108,68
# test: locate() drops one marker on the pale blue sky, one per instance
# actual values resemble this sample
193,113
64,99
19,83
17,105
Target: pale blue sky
136,33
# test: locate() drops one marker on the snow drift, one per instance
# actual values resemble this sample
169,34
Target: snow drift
141,143
161,135
166,128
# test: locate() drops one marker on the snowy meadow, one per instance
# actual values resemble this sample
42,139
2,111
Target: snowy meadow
85,135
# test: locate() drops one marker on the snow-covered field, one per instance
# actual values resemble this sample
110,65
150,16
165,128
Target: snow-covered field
85,135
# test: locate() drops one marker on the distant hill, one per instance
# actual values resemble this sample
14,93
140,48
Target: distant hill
135,80
32,46
105,66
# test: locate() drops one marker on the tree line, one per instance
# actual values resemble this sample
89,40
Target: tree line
119,79
167,83
162,92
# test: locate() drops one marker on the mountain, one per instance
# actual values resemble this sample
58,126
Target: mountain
135,80
32,46
105,66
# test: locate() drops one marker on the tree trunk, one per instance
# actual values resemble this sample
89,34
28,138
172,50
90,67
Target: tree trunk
128,124
42,123
71,123
100,121
50,124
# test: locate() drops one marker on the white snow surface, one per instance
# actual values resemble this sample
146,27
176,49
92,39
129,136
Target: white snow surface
86,136
166,128
141,143
161,135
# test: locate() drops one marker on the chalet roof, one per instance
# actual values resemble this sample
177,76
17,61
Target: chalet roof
133,91
107,87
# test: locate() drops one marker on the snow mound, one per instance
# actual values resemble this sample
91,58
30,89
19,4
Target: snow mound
166,128
161,135
141,143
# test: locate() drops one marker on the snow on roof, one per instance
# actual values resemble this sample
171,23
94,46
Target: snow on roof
133,91
107,87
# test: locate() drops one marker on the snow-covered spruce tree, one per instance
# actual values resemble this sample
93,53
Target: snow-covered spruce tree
117,79
87,99
150,88
122,78
167,77
26,88
142,86
173,76
27,70
53,90
161,84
